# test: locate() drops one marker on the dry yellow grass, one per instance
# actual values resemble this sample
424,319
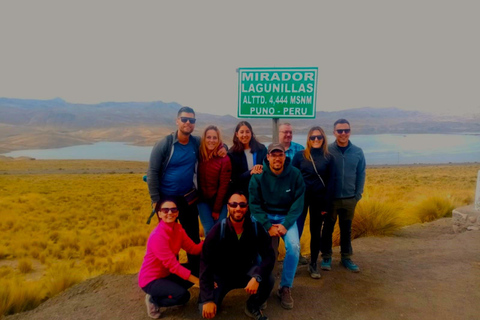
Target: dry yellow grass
86,218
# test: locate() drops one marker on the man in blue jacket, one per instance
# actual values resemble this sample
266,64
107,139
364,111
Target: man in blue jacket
276,201
349,183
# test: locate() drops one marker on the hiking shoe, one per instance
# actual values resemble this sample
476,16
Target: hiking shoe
153,310
326,264
302,261
347,263
256,314
285,296
312,269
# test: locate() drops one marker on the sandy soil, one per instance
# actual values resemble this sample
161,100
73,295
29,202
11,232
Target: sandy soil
424,271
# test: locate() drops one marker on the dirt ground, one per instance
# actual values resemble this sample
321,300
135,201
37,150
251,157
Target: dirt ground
425,271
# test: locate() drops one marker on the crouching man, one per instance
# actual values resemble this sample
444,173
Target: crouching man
230,260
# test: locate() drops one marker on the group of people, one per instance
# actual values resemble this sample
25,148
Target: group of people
246,197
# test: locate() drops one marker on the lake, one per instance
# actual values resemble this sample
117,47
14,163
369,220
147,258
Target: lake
379,149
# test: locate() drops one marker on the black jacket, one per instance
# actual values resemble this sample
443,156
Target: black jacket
229,258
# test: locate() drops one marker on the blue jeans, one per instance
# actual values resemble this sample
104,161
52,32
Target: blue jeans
292,247
205,214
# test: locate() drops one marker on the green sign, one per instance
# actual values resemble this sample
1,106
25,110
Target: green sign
277,92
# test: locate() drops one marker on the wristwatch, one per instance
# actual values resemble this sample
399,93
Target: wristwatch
258,278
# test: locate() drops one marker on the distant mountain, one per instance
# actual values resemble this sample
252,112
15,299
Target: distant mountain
26,124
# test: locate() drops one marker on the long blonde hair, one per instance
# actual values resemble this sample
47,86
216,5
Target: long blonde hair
204,154
307,152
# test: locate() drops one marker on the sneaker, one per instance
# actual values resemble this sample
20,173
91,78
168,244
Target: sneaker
153,310
347,263
285,296
302,261
256,314
312,269
326,264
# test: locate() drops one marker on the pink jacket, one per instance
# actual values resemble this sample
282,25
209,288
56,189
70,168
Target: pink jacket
163,246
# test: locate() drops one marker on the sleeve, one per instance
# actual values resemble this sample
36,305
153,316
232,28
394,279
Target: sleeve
255,201
266,252
296,208
225,175
189,246
331,183
154,170
360,183
207,261
162,251
297,159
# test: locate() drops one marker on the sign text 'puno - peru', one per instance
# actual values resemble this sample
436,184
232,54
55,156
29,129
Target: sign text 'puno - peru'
277,92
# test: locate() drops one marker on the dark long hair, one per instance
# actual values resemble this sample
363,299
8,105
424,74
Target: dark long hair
238,146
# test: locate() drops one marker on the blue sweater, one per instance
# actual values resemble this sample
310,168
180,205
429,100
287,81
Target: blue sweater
349,171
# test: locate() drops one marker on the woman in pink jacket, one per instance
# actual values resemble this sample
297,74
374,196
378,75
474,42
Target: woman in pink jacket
214,173
162,277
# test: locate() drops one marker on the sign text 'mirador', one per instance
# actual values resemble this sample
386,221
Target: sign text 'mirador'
278,76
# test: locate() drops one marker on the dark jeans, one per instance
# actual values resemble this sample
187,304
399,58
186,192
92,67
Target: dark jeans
169,291
317,242
226,285
344,209
188,217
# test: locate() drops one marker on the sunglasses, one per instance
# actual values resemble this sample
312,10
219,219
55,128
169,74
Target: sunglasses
167,210
340,131
312,138
185,119
235,204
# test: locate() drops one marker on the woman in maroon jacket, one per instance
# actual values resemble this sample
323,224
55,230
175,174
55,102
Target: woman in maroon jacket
214,174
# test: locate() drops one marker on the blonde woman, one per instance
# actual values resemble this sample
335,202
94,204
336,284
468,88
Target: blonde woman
214,174
318,167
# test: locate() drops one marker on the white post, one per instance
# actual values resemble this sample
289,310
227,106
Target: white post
477,193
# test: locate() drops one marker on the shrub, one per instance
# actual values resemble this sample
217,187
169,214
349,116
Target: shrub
60,278
25,265
375,218
16,296
433,208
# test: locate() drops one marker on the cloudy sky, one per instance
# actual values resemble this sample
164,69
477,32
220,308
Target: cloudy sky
414,55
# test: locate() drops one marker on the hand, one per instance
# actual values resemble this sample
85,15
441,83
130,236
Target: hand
194,280
273,231
215,215
257,169
222,152
252,286
209,310
281,229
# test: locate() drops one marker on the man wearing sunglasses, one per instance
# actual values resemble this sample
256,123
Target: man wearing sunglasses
230,260
276,201
349,183
171,172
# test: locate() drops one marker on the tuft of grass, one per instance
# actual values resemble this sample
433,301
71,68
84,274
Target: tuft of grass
25,265
60,278
433,208
17,296
375,218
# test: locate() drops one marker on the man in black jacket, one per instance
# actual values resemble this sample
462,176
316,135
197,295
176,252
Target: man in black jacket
229,261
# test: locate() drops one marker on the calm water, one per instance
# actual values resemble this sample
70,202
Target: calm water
378,149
